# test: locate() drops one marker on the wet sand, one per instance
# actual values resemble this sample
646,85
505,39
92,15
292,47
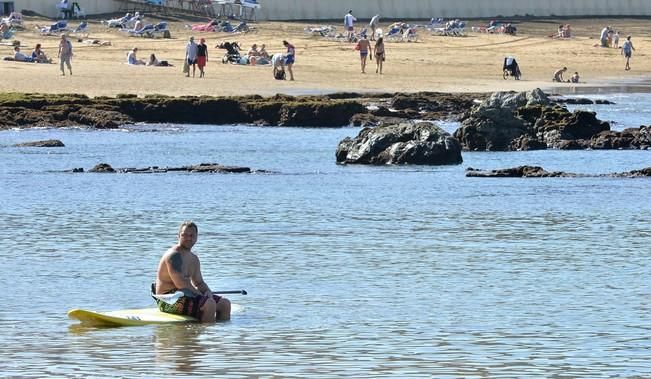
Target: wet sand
434,63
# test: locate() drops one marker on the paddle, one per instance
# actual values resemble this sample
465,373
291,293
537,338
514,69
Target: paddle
173,297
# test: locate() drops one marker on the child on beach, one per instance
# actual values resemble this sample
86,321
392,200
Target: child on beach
616,40
575,77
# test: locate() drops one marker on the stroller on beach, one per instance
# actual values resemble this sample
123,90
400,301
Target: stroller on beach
232,52
511,68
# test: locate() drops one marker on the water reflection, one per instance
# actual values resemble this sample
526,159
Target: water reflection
177,346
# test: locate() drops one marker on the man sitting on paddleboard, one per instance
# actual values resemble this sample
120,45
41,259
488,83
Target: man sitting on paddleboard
179,270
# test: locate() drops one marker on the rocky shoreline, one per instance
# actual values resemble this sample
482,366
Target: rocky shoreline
396,126
335,110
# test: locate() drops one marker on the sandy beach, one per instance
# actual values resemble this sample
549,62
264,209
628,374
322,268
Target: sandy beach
435,63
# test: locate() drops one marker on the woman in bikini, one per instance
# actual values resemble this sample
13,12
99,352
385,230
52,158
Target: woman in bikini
379,54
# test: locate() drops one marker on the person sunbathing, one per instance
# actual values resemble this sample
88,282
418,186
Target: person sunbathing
263,52
132,59
20,57
39,56
154,62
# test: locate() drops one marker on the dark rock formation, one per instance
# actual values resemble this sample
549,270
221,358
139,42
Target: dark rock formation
539,172
529,121
199,168
627,139
581,100
493,125
101,167
517,172
45,143
406,143
334,110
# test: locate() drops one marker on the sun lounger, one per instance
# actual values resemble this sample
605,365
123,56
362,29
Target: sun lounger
58,27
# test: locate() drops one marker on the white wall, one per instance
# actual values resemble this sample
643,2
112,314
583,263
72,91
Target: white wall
48,7
425,9
396,9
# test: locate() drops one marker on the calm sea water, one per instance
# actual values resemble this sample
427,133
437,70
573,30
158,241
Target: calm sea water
351,271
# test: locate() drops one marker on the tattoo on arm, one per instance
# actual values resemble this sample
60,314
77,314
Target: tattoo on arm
177,262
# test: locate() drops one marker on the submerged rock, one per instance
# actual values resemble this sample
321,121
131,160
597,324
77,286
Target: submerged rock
102,168
199,168
539,172
44,143
517,172
421,143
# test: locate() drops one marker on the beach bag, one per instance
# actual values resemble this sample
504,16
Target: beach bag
186,67
280,75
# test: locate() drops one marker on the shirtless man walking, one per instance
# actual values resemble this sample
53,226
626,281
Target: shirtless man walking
179,270
364,47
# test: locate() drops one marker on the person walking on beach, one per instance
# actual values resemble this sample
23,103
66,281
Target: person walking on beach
363,45
349,25
379,55
373,25
202,56
179,270
65,54
290,58
191,50
627,51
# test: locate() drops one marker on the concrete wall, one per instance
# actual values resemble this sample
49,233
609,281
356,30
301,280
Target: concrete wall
425,9
395,9
48,7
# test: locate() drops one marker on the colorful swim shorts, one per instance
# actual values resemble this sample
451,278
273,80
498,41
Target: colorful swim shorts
186,305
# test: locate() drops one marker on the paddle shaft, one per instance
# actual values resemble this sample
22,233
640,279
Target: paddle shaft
235,292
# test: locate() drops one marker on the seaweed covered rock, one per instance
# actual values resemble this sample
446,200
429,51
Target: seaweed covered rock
319,113
421,143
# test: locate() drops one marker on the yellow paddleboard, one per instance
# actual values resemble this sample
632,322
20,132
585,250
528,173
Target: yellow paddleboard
129,317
